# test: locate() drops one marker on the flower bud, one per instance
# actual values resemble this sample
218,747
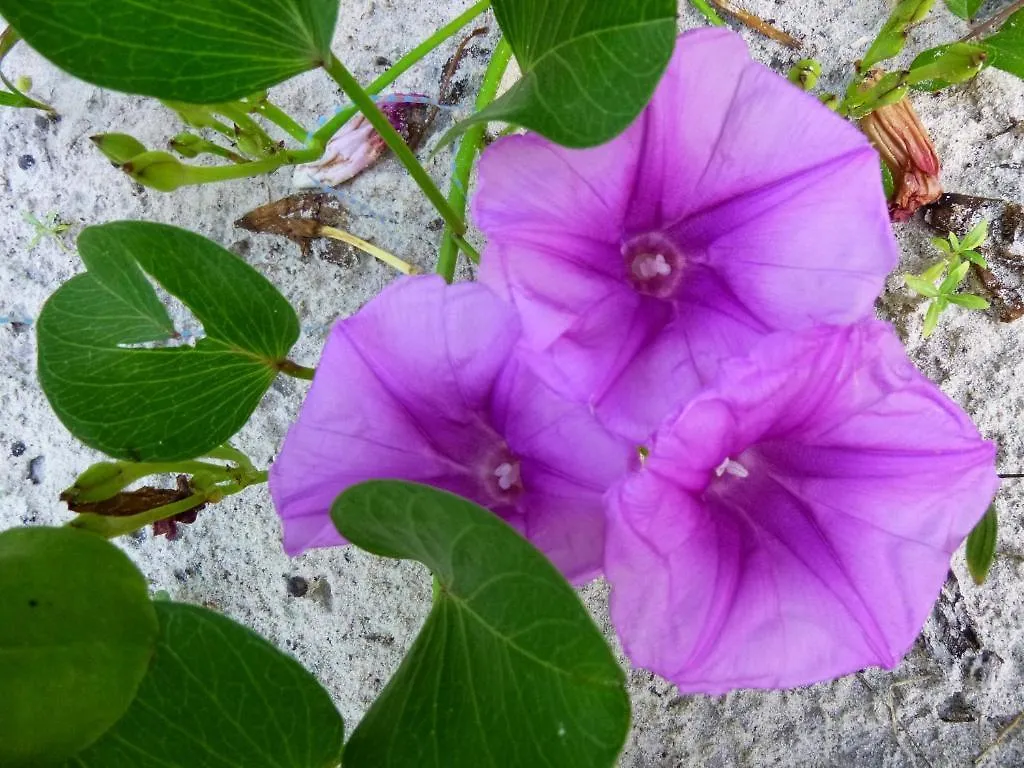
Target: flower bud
907,151
357,145
188,144
159,170
805,73
118,147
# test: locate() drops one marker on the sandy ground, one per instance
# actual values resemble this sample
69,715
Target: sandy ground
948,701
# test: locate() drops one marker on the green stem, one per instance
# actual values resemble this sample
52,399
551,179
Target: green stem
208,174
245,123
228,452
708,12
290,368
283,120
394,140
469,146
331,127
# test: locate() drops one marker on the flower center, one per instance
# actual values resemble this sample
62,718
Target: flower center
502,476
654,264
731,467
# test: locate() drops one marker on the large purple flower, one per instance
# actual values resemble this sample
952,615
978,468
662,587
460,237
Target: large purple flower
736,204
421,385
794,522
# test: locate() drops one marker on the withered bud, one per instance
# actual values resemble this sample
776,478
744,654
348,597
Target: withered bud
907,151
357,145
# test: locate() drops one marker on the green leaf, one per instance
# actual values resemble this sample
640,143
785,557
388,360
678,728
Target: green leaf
921,286
77,632
200,51
934,272
954,278
509,669
946,65
169,403
931,317
954,242
1006,47
965,9
942,244
976,258
976,237
968,300
981,546
219,695
589,66
893,35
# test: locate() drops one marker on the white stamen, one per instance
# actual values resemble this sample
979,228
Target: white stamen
650,265
507,474
734,468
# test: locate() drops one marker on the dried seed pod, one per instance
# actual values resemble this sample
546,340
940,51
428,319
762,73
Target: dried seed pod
907,151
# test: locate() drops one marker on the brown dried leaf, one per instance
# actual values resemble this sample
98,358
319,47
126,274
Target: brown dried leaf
297,217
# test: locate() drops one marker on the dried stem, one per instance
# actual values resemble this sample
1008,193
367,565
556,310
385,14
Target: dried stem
757,23
379,253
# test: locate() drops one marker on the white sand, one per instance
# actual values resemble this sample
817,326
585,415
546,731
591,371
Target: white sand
361,612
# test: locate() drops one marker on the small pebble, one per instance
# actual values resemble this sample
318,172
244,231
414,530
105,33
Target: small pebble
297,586
17,448
35,470
26,161
382,61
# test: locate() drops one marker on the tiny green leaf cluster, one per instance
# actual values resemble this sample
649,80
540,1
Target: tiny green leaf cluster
941,282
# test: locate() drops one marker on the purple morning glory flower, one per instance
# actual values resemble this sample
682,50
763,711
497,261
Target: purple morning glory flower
794,522
735,205
421,385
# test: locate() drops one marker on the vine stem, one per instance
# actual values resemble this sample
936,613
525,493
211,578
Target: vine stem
316,142
364,102
995,21
293,369
331,127
470,145
708,12
282,120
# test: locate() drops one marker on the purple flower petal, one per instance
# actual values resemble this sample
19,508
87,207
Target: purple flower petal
735,202
794,522
420,385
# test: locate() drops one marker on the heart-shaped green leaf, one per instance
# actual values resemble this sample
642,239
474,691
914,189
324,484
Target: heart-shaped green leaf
509,669
1006,47
217,695
168,403
77,631
589,66
199,51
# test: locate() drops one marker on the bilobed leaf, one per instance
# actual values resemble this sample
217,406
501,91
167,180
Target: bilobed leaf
219,695
1006,47
981,546
199,51
159,404
893,35
589,66
965,9
509,670
77,631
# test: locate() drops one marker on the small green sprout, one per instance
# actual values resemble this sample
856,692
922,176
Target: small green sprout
941,281
50,226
